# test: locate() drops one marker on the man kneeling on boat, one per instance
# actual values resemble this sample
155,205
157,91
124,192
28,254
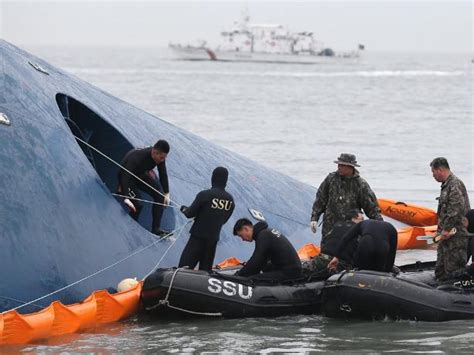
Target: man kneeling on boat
318,266
376,247
274,258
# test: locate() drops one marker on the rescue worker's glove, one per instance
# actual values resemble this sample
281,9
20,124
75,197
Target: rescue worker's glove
333,264
167,199
130,205
183,208
314,226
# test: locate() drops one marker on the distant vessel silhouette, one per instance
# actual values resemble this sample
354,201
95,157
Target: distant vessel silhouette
247,42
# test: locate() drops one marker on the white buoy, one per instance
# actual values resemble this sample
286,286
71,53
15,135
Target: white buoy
127,284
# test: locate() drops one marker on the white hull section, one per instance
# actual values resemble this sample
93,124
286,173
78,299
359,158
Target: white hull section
201,53
190,53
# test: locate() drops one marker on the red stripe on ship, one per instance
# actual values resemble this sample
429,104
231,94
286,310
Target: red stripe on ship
211,54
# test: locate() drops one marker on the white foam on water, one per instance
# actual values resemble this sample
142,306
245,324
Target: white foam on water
310,330
306,74
289,351
433,341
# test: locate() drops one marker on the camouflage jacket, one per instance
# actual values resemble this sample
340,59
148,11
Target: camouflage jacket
453,205
338,195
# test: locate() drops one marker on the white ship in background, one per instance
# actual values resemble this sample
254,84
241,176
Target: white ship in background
262,43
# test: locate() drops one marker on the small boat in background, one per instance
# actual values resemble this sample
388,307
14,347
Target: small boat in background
410,214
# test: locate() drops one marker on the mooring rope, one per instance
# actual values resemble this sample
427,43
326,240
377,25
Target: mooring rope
125,169
142,200
105,268
166,302
20,301
166,251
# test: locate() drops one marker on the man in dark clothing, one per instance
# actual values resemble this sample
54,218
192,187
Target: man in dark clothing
318,265
270,247
141,162
469,224
376,248
211,209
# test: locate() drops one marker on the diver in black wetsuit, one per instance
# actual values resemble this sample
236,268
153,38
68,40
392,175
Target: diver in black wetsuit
469,222
141,162
317,266
211,209
270,247
376,248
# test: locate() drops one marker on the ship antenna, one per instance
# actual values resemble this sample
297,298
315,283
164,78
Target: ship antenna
245,15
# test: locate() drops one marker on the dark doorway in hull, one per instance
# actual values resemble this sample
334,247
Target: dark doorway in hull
93,129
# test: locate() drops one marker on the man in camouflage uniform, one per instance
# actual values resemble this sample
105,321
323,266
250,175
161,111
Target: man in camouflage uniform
341,192
318,266
453,204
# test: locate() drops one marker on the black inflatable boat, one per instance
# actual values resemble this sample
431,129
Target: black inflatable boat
219,294
412,295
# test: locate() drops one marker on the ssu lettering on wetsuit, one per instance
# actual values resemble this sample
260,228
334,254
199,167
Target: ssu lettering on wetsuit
219,204
211,209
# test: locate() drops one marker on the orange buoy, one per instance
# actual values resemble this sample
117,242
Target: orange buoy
308,251
410,214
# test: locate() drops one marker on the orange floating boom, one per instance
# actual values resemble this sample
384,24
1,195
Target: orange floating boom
57,319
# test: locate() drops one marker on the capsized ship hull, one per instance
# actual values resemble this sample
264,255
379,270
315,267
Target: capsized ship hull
59,221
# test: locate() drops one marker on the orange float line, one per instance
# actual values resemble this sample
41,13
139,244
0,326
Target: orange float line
59,319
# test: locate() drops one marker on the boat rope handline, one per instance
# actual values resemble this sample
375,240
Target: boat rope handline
166,252
123,168
99,271
290,219
142,200
265,210
166,302
20,301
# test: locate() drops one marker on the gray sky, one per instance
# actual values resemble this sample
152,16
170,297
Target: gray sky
445,26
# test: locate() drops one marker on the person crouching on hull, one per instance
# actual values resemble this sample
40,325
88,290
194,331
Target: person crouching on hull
211,209
141,163
270,247
376,248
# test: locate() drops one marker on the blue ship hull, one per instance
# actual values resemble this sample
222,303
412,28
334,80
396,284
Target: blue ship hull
59,220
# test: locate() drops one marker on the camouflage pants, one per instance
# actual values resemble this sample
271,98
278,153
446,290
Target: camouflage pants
318,266
452,256
326,232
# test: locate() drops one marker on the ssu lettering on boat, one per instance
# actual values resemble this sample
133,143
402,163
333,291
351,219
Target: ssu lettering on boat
229,288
